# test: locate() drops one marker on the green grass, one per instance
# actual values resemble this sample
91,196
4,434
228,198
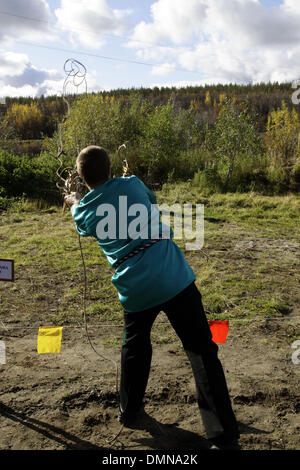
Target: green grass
248,267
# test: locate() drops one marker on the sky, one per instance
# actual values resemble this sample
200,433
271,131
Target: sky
145,43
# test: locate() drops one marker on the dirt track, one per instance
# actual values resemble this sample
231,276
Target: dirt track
69,401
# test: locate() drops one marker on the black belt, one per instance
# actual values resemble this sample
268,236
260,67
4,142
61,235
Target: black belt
136,251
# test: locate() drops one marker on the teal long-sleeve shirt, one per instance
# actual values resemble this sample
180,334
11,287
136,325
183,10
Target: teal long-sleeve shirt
122,214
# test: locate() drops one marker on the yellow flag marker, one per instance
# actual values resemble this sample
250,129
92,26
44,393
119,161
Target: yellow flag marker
49,339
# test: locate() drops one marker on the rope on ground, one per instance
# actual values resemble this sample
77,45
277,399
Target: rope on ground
117,325
85,319
114,438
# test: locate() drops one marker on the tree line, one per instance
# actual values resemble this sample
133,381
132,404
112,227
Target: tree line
221,138
33,118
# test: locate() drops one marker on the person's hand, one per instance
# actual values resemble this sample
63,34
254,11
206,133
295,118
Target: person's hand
73,198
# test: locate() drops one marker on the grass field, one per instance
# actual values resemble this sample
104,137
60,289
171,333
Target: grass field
247,268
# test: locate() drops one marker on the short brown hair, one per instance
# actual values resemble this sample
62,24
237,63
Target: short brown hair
93,165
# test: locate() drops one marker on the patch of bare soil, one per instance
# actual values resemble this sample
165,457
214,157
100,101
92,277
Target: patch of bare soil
69,401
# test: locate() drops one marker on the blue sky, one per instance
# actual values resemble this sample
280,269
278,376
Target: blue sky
183,42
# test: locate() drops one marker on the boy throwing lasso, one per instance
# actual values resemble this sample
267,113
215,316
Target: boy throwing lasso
151,275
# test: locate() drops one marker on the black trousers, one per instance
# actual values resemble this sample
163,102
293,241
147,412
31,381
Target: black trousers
186,314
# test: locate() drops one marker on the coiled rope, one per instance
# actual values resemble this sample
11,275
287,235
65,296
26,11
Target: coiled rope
76,75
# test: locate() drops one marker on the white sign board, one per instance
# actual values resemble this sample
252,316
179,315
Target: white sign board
6,270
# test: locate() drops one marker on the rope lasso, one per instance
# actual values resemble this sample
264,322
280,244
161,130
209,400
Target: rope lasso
76,74
68,176
85,319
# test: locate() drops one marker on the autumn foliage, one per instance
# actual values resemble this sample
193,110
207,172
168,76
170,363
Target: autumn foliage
221,138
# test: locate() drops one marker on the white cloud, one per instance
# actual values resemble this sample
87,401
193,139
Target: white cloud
163,69
174,20
19,77
90,20
293,6
220,41
55,87
24,91
247,23
47,87
16,24
12,63
235,40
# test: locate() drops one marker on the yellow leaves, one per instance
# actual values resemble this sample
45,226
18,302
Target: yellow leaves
208,98
110,100
195,105
282,136
222,98
25,118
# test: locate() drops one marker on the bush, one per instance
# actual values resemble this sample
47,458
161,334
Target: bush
235,147
5,203
295,176
26,120
166,140
249,173
187,164
33,177
208,181
94,120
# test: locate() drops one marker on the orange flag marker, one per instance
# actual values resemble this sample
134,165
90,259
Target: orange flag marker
219,330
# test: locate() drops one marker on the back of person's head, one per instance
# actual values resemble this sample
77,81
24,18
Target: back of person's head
93,165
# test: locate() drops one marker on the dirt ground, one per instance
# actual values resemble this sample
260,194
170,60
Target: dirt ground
69,400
